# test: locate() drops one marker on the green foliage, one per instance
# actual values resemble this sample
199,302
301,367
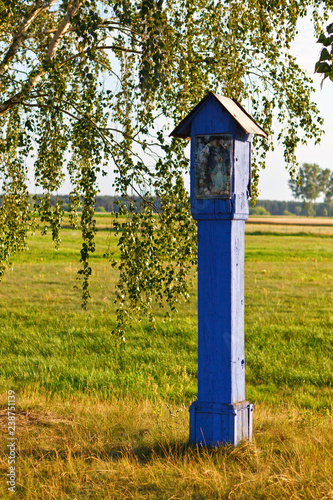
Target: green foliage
329,189
84,85
286,212
309,209
157,251
311,181
259,211
325,64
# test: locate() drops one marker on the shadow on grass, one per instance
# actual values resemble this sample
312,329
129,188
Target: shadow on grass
145,453
141,454
169,450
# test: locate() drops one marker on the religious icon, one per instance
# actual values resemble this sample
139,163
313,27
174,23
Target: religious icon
213,166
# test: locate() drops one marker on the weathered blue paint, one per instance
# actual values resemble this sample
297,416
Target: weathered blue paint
211,118
221,311
221,414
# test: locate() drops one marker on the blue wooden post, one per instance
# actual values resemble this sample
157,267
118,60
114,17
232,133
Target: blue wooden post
220,132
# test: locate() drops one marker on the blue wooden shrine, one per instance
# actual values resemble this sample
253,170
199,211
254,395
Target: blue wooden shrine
220,131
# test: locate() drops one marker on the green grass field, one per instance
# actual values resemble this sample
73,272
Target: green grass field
96,422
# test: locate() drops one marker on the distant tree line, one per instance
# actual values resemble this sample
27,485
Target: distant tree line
273,207
262,207
110,204
103,203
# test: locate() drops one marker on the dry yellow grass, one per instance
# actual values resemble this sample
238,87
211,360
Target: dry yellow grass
137,449
295,221
290,225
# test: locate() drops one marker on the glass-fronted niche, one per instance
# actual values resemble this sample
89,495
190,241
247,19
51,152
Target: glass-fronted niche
213,165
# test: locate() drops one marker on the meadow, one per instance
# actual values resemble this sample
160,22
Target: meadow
97,422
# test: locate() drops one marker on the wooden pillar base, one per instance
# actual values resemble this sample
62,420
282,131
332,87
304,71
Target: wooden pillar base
215,424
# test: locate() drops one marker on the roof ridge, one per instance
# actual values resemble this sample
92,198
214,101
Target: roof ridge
243,118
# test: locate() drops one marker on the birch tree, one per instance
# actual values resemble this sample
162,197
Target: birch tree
92,87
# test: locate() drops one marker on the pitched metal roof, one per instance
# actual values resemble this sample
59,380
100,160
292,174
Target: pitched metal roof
247,123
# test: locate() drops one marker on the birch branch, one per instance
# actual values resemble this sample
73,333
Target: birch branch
14,100
21,34
62,29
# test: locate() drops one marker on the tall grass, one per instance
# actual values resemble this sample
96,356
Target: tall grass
134,448
98,422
